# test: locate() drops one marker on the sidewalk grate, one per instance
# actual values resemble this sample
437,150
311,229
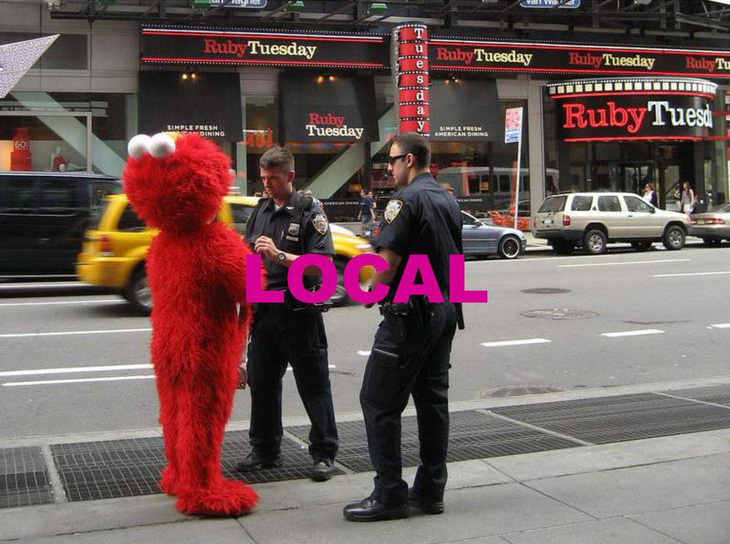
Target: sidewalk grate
625,417
717,394
472,435
109,469
128,468
297,463
24,479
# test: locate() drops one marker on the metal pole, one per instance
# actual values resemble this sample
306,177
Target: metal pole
518,174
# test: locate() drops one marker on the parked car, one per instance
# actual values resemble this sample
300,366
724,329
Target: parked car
482,240
43,216
713,226
479,240
593,220
115,249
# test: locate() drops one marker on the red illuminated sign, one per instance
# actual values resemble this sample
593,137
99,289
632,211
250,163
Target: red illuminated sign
410,70
554,58
634,109
184,45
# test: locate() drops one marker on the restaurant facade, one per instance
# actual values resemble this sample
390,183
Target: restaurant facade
595,116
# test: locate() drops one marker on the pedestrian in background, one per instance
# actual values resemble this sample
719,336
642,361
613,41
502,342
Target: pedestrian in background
412,347
687,198
365,214
282,227
649,194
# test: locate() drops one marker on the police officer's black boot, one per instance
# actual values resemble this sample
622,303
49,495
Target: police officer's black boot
371,510
257,461
322,470
428,504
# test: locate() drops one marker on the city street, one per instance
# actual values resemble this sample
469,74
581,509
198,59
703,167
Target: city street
75,360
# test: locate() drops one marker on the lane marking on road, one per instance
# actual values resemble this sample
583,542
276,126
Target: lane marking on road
631,333
721,326
105,379
363,353
73,370
47,285
623,263
516,342
720,273
81,380
67,333
112,300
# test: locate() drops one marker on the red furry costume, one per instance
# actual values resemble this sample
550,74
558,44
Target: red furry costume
196,271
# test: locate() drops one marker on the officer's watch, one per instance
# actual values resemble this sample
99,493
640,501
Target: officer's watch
281,256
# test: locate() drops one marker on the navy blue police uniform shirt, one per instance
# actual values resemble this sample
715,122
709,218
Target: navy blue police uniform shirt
300,226
422,218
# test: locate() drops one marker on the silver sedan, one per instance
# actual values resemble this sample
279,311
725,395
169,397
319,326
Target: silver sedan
483,240
713,226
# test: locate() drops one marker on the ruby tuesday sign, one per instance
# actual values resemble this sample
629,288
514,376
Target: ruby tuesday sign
184,45
634,109
454,54
416,265
328,109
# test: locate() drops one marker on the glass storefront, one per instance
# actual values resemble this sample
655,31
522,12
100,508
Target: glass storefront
627,164
66,131
483,172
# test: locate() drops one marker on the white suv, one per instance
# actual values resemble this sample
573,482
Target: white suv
592,220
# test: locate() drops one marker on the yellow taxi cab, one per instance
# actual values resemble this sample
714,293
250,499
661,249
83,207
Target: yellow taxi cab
114,250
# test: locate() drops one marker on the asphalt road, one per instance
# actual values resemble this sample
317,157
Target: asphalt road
75,360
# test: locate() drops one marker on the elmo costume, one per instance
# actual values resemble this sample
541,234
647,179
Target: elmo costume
196,272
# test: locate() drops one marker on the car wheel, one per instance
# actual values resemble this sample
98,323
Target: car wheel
562,247
594,242
641,246
138,292
509,247
340,296
673,238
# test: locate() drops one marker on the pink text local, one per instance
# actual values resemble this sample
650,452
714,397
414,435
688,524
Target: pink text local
415,265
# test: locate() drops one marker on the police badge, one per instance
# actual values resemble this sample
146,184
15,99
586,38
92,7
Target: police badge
294,229
392,209
320,223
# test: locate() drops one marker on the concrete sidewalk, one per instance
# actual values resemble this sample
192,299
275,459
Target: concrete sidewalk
673,489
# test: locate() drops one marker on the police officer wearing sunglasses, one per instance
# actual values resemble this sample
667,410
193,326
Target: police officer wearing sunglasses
412,347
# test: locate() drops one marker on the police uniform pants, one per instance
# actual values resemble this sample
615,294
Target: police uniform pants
405,360
280,336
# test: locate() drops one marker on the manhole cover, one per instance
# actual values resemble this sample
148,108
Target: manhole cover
560,313
545,291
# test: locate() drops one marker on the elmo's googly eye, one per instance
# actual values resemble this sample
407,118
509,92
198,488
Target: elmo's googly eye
161,145
138,146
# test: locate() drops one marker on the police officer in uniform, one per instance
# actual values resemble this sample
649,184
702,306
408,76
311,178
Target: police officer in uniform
412,346
281,228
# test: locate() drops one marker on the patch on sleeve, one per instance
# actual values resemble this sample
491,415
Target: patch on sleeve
320,223
392,209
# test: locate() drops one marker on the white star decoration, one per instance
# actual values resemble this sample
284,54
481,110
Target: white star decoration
17,58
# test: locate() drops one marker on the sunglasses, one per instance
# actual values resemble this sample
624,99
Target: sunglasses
391,160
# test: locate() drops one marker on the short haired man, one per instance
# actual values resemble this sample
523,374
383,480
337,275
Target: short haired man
281,228
412,347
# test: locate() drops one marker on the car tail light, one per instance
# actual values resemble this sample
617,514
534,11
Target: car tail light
693,220
566,220
714,221
105,245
